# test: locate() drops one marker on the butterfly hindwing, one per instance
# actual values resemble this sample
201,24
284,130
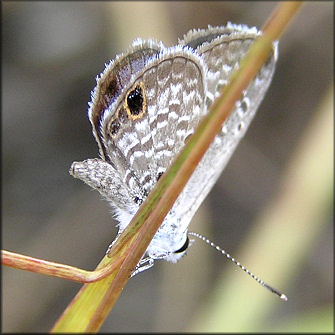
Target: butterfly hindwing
222,49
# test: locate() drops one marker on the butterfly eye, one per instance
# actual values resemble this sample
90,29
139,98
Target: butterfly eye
184,247
135,102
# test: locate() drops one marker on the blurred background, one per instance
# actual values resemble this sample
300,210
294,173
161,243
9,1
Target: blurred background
51,54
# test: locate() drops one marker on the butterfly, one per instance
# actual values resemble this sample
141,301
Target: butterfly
146,104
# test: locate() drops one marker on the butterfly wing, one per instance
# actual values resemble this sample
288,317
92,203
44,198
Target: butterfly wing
148,123
222,49
145,105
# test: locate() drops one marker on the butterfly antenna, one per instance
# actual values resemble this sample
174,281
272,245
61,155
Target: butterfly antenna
271,289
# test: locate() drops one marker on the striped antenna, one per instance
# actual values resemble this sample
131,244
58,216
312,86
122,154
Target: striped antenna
271,289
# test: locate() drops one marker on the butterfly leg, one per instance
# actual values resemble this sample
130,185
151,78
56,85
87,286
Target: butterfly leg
144,264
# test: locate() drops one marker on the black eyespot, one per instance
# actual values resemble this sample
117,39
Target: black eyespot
135,101
184,247
114,127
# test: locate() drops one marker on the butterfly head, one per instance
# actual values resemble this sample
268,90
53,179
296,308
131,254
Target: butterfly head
171,252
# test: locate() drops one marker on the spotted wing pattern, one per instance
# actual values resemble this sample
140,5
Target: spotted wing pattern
146,104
